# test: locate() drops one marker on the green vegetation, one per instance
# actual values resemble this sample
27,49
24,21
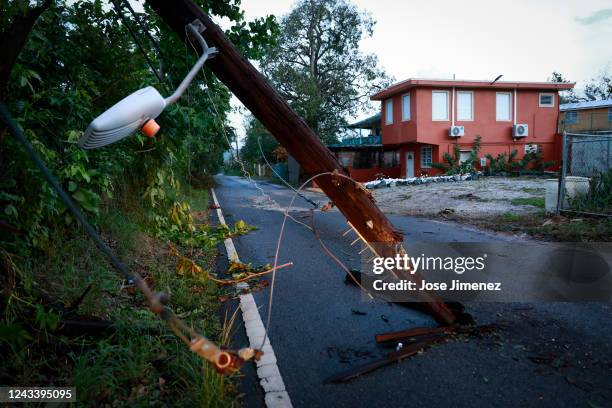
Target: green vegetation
142,194
506,164
510,217
535,201
138,360
452,163
599,197
318,66
540,226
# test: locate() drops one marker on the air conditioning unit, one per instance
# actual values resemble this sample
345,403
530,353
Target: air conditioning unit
456,131
520,130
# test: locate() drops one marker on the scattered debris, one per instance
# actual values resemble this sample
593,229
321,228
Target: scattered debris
413,342
358,312
327,206
392,182
347,355
384,318
555,220
468,196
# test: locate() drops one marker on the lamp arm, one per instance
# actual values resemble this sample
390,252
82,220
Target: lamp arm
206,53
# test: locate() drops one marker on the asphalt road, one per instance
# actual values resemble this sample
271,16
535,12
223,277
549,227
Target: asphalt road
546,354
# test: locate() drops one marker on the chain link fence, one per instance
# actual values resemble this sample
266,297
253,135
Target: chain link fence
585,177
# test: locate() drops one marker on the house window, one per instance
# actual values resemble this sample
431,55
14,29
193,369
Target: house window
346,159
389,112
547,100
426,156
406,107
502,106
465,156
571,117
465,105
439,105
390,159
366,159
610,115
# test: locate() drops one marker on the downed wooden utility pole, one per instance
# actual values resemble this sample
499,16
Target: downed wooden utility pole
249,85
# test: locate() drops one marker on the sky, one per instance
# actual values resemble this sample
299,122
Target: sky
476,39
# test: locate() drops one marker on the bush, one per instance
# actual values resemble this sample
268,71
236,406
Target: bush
452,164
599,197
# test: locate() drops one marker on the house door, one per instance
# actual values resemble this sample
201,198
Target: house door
409,164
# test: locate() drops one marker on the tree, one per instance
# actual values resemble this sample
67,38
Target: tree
14,33
256,134
599,88
318,67
80,59
568,96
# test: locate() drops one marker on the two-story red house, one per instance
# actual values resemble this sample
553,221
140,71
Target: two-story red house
423,118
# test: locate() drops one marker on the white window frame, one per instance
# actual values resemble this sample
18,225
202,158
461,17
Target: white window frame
432,106
423,164
471,119
404,118
389,119
468,152
546,105
497,119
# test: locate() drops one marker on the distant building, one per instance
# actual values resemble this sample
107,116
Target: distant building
591,116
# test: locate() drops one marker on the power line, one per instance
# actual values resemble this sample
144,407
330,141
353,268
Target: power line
223,360
146,56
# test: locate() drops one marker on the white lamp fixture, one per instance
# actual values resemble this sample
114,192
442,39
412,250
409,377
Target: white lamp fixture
139,110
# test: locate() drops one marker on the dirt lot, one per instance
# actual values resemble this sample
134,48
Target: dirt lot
512,205
483,198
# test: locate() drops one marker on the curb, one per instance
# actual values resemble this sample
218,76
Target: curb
270,378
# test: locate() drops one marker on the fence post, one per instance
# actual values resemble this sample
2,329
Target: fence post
562,174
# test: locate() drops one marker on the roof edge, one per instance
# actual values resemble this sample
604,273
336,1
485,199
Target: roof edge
462,83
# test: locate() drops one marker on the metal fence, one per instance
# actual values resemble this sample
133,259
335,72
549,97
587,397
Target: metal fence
586,174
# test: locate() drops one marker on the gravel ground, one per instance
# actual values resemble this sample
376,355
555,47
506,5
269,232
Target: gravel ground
486,197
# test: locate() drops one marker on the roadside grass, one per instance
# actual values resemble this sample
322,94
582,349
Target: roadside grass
578,230
533,190
139,361
534,201
564,229
510,217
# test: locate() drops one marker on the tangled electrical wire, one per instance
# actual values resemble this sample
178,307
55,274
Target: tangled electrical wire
224,361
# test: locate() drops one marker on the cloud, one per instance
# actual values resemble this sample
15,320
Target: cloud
595,17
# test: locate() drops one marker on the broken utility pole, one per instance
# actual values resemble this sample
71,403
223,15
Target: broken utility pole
249,85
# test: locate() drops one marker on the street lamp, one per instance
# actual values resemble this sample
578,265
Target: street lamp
139,110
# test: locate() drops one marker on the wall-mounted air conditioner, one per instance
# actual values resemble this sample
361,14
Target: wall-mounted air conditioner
520,130
456,131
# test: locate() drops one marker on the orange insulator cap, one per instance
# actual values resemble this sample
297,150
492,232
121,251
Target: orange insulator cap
150,128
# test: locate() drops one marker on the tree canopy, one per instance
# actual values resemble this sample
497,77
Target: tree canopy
598,88
318,66
79,60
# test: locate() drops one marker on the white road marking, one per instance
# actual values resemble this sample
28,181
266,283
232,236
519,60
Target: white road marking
267,370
